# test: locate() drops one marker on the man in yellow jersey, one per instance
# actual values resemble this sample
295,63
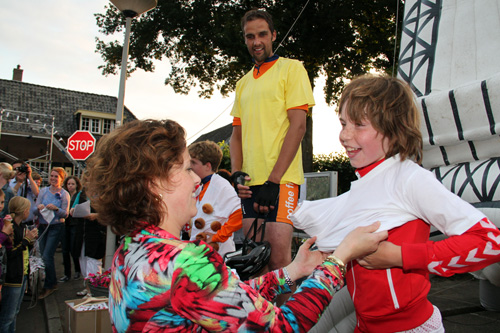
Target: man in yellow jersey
269,113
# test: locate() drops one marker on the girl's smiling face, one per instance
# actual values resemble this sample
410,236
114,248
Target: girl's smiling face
364,145
55,179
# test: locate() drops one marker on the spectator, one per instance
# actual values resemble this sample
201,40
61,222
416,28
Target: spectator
5,241
24,186
37,178
6,174
71,240
218,205
17,264
93,249
52,204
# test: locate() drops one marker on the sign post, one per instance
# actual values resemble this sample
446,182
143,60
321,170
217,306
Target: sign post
81,145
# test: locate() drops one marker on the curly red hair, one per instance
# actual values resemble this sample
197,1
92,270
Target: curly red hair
121,173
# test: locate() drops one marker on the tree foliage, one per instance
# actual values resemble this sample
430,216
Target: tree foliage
336,162
203,42
226,157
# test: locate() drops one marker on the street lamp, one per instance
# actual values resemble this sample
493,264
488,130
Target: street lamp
131,9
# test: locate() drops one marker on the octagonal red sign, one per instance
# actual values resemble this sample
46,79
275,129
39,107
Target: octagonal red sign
81,145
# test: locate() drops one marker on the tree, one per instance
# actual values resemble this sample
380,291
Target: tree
226,158
202,39
336,162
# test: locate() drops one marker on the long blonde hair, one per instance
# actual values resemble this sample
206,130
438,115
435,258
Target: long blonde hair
17,206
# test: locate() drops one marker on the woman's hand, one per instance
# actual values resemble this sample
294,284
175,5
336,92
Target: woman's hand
387,255
32,234
305,261
40,207
360,242
71,211
52,207
91,217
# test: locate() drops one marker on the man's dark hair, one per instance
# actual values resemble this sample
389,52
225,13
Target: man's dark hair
255,14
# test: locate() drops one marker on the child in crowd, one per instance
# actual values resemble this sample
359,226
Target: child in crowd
17,264
5,241
6,174
380,132
219,208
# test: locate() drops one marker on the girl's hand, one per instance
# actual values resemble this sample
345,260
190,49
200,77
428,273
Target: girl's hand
305,261
40,207
71,211
7,227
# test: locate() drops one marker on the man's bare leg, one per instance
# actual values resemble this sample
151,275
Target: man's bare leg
279,235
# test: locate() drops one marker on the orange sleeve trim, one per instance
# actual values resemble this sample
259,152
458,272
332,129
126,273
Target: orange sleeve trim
304,107
236,121
233,224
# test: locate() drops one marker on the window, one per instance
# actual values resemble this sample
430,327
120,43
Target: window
97,125
85,124
319,185
107,126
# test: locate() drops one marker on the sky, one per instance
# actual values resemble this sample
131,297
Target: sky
54,43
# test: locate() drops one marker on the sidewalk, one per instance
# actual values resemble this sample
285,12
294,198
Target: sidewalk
457,298
48,316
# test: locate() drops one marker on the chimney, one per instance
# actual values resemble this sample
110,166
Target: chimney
18,74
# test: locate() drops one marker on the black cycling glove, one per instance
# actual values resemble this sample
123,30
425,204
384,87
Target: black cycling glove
268,194
238,177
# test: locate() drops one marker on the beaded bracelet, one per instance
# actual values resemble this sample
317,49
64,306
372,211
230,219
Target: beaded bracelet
334,260
287,277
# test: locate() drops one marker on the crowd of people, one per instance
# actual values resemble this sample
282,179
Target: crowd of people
36,220
178,267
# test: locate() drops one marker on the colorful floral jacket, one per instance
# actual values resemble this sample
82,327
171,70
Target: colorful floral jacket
162,284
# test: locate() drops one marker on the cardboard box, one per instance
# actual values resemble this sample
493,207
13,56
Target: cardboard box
82,317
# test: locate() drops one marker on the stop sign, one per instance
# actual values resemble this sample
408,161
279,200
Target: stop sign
81,145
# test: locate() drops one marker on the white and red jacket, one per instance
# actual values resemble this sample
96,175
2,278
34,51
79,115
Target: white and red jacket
226,208
396,299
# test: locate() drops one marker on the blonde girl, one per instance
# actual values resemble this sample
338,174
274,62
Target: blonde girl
17,264
6,174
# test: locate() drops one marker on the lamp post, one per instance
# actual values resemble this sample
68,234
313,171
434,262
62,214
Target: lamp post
131,9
